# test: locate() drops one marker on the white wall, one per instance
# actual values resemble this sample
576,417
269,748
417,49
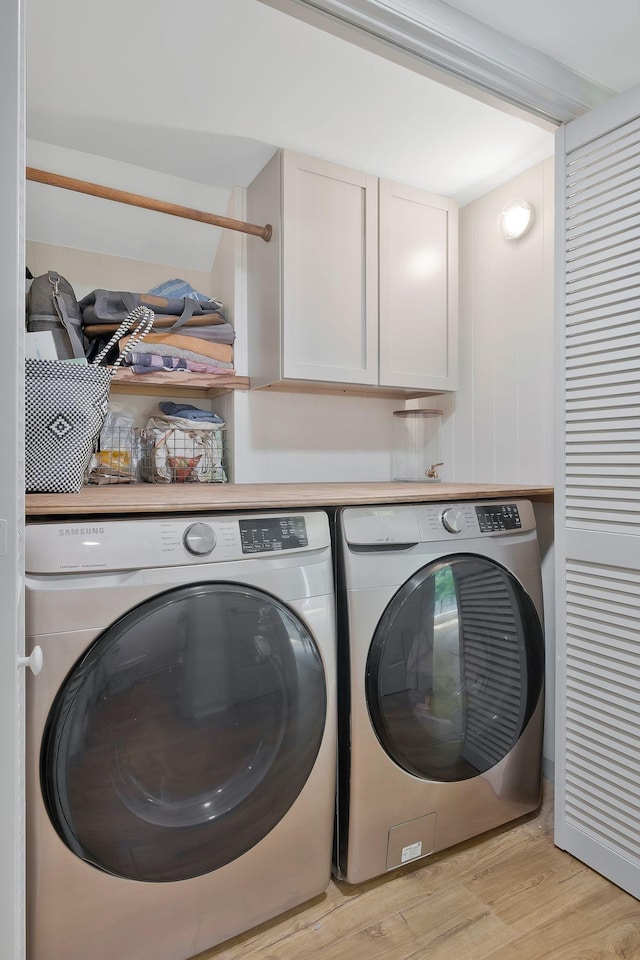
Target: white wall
499,424
87,270
311,437
69,219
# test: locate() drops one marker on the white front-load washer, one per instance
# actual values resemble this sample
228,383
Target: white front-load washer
181,741
440,678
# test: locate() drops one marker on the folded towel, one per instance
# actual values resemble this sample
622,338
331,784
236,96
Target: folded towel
176,288
154,363
171,342
220,333
188,412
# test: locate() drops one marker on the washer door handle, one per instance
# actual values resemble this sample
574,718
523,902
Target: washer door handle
34,662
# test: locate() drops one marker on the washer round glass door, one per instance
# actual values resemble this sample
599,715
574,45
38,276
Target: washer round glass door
455,669
185,733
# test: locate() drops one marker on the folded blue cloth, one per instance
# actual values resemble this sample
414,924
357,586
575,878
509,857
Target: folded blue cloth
175,289
188,412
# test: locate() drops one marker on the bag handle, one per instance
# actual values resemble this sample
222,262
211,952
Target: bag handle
187,313
142,318
189,305
61,309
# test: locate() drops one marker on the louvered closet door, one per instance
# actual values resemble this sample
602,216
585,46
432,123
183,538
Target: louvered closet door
598,493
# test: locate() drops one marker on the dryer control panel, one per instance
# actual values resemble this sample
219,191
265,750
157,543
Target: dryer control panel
398,525
462,520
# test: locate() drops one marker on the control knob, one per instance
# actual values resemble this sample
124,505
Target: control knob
453,520
199,539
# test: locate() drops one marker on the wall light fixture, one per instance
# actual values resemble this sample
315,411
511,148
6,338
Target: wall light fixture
516,219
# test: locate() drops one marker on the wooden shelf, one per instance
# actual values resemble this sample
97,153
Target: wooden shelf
373,391
144,499
182,384
186,384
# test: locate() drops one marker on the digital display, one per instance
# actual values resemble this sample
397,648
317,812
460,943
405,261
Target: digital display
272,533
495,517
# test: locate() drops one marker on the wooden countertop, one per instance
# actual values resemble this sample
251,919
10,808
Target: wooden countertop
189,498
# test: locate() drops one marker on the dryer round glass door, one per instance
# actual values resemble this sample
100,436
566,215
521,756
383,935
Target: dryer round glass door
455,669
185,733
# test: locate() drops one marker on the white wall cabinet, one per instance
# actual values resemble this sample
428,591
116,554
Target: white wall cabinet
358,286
418,288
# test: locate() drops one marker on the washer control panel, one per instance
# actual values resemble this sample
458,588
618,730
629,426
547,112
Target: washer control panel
493,518
147,544
267,534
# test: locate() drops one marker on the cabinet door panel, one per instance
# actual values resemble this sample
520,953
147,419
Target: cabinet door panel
418,289
329,272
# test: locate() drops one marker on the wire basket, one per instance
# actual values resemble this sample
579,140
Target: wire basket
173,453
162,453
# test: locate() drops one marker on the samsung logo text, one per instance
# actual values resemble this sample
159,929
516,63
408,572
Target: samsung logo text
79,531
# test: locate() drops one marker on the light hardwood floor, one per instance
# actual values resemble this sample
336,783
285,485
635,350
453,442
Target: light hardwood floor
508,895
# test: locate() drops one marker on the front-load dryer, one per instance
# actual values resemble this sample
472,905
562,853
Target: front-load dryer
181,733
440,678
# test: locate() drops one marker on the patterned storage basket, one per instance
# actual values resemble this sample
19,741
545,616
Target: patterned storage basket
65,407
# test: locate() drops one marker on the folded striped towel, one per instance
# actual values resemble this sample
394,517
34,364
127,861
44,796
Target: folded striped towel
169,343
153,362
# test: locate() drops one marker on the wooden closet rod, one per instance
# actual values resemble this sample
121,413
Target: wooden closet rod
135,200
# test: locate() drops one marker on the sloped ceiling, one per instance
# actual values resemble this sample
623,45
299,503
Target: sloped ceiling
206,90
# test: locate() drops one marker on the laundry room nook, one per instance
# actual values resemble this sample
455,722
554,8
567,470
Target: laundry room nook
332,431
325,555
